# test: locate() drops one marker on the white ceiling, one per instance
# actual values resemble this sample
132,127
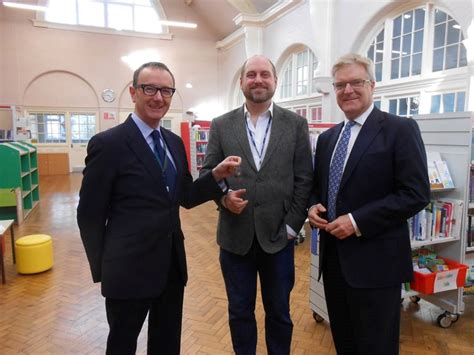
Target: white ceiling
218,15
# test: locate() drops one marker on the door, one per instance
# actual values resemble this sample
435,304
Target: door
82,127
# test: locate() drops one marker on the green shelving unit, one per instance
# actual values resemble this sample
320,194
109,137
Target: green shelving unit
19,181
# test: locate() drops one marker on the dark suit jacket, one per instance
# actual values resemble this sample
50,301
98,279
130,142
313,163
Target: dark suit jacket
127,219
277,193
385,182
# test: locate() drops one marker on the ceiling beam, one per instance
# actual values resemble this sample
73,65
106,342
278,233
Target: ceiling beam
243,6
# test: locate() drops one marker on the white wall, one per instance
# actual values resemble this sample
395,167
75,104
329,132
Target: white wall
60,68
333,28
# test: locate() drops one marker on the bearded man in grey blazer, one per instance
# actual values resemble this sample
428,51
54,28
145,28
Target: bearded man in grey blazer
264,209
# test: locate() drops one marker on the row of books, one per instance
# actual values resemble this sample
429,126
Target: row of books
442,218
438,172
201,135
201,148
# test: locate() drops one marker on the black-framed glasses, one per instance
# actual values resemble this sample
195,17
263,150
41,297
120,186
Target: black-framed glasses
151,90
355,84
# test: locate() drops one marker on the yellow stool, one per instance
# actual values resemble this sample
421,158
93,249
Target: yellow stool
34,253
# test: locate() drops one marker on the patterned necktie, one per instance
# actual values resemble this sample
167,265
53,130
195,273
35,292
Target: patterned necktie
336,169
167,168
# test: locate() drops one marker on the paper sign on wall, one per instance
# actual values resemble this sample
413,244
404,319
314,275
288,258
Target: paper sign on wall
110,115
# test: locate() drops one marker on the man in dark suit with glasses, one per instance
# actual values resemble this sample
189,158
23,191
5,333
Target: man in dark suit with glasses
135,180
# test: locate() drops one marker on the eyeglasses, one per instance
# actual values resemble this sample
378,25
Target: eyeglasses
151,90
355,84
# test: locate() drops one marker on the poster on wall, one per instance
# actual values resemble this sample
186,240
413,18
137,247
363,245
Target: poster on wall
110,115
21,125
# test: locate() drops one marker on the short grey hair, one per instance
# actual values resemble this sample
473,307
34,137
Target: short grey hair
354,58
153,65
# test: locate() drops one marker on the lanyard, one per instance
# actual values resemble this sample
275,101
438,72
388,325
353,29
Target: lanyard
259,153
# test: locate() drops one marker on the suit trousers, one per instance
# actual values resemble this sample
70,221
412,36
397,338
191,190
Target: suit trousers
277,277
363,320
126,317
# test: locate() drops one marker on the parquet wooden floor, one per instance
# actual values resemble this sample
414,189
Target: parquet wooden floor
62,312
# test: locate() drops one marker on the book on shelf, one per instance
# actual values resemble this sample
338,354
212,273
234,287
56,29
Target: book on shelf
442,218
438,172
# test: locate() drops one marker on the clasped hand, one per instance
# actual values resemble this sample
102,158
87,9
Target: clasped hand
341,227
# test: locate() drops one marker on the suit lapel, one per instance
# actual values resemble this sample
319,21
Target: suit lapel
242,137
369,130
326,160
277,129
142,151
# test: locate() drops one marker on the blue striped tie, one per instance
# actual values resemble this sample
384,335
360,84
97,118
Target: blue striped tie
167,168
336,169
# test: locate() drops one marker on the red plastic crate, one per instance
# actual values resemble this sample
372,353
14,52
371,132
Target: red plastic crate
425,283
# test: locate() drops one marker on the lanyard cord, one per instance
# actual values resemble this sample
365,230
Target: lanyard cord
260,154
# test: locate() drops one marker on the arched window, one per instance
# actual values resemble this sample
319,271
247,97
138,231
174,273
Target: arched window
131,15
299,74
448,50
411,52
375,53
297,85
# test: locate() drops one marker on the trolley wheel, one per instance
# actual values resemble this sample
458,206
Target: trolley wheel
318,318
445,320
415,299
454,318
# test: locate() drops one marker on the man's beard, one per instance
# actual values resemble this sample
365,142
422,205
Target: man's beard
264,97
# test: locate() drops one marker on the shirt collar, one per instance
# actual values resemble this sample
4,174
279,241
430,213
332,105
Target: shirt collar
145,129
360,120
268,112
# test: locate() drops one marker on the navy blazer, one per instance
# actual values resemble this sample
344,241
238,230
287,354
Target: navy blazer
385,182
127,219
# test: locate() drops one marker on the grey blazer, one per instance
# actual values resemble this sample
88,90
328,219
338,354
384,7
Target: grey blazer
277,193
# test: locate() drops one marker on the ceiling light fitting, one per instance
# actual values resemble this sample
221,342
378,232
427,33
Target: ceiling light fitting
25,6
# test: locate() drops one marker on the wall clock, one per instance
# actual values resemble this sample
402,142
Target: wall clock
108,95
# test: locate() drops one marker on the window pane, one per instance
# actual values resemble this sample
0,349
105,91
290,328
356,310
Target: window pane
392,107
405,67
438,55
435,103
419,18
463,57
406,44
146,20
418,42
82,127
403,107
413,106
460,101
377,104
439,35
91,13
448,102
451,57
395,68
407,22
370,52
440,16
120,17
380,36
396,47
378,72
453,33
397,26
416,64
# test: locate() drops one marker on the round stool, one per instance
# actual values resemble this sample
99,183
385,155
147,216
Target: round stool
34,253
